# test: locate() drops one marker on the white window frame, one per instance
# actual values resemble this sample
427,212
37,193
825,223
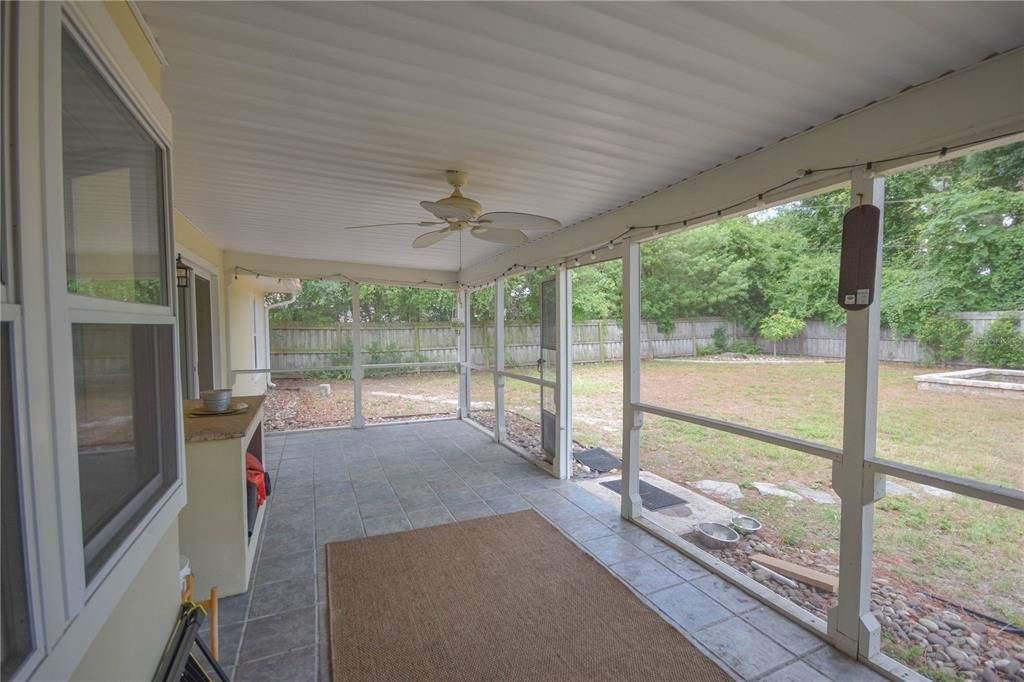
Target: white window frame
200,266
70,613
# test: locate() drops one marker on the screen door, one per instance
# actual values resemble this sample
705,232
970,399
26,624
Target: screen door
547,365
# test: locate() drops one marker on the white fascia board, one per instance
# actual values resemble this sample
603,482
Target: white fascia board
309,268
981,101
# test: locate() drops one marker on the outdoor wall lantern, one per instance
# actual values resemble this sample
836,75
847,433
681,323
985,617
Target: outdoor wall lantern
181,273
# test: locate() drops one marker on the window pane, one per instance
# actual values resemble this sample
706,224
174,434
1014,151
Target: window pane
16,629
125,411
113,195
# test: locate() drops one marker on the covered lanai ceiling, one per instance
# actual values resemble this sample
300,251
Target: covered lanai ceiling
292,121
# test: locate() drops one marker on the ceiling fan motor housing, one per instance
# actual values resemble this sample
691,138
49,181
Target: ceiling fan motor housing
457,179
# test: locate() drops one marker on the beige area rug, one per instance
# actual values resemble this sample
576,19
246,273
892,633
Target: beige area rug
500,598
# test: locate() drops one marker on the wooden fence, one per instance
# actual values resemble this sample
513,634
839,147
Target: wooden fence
301,348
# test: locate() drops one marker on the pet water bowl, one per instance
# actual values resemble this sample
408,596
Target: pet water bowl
745,525
717,536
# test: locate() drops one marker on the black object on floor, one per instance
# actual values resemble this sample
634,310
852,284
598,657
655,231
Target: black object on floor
651,497
598,459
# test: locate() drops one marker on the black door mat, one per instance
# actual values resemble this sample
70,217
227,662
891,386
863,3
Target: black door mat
598,459
651,497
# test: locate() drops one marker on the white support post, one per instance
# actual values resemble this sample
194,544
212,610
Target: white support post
500,434
851,626
632,419
357,360
462,314
563,378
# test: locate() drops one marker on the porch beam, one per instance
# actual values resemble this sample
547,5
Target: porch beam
500,434
967,105
632,418
462,349
357,360
311,268
563,378
851,625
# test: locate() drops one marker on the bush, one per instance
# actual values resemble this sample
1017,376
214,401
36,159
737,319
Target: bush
745,347
1001,346
780,326
720,337
710,349
944,337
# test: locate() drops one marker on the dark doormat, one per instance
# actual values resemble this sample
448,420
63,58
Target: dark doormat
652,497
598,459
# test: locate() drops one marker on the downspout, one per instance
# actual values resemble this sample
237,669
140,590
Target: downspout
266,329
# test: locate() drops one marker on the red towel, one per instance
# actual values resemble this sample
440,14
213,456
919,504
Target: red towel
255,474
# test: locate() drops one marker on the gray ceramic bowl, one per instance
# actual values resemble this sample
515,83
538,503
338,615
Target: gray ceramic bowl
216,400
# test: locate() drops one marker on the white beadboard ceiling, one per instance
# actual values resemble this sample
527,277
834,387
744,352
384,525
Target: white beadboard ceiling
294,120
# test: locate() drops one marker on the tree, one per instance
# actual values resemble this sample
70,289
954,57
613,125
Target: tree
781,326
944,337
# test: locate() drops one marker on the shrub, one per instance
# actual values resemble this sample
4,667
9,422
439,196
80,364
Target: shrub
710,349
779,327
745,347
1002,345
944,337
720,338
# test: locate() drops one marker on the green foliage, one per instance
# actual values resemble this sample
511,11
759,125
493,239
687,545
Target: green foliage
720,338
597,291
781,326
944,337
1002,345
745,347
384,355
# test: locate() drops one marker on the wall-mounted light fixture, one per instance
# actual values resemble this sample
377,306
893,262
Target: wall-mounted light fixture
181,272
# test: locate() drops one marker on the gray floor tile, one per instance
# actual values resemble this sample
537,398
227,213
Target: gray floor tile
797,671
493,490
586,528
793,637
508,504
278,634
430,517
282,544
613,549
321,588
726,594
284,595
743,647
340,531
644,540
421,502
480,479
471,510
297,666
372,510
832,663
690,608
272,569
685,568
233,609
452,498
645,575
229,638
379,525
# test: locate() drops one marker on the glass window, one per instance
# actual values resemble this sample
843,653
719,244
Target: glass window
125,411
16,629
113,191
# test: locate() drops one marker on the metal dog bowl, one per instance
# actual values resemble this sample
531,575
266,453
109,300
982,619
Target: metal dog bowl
745,525
717,536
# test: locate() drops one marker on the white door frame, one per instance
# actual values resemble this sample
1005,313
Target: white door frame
209,272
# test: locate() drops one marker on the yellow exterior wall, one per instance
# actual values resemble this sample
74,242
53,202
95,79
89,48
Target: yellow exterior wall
242,292
136,38
130,644
190,237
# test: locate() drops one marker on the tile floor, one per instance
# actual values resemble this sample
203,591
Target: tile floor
343,484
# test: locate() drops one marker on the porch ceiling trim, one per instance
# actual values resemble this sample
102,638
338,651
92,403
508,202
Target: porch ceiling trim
975,103
307,268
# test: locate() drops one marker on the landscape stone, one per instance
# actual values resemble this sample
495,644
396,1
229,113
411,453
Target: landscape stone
935,492
896,489
724,489
816,496
772,489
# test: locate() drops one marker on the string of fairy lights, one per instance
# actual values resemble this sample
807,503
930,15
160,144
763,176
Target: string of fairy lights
638,231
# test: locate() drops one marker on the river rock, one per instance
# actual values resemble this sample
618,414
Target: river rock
930,624
955,654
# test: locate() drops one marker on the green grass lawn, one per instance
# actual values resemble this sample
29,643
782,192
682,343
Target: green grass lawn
963,549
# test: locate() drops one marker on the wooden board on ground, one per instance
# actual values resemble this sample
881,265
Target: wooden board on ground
823,581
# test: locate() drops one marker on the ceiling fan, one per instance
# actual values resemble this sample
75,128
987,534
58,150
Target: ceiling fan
458,213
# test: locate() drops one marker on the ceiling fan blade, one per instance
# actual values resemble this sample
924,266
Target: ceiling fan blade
420,224
430,238
509,220
446,211
514,237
